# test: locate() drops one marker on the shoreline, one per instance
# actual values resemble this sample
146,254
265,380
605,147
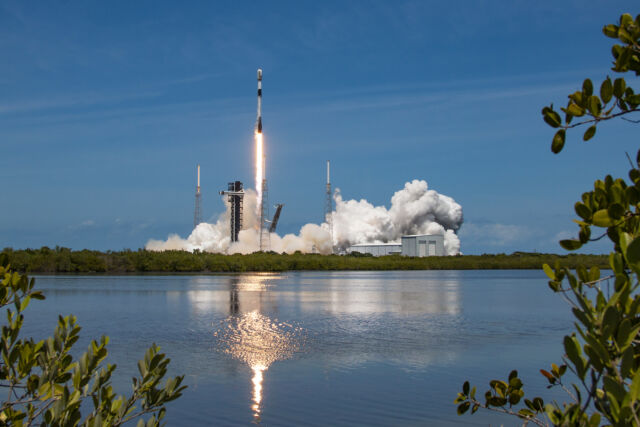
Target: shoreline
143,262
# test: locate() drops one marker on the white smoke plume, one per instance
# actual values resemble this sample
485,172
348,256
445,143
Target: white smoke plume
415,209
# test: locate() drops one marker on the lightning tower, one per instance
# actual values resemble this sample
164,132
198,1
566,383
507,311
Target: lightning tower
197,214
328,207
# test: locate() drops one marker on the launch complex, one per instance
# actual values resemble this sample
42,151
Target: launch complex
407,237
235,191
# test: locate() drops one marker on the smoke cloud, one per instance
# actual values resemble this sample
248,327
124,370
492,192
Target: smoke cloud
415,209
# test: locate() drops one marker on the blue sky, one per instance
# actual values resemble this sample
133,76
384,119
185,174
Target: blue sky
106,108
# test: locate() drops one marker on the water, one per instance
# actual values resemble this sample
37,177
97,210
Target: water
318,348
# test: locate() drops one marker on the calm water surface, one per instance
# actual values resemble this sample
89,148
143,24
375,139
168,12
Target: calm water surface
317,348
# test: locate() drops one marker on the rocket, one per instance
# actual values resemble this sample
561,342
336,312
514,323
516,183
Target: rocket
259,119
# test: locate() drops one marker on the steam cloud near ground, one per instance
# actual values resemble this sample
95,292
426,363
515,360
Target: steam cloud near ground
415,209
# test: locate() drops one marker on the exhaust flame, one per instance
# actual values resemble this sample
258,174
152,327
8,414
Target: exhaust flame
259,166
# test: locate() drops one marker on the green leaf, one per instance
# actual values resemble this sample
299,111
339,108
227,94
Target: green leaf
606,90
25,303
616,263
525,413
463,408
601,218
549,272
633,99
587,87
633,251
622,59
614,388
615,211
558,141
609,321
594,105
583,211
572,348
551,117
588,134
619,86
575,110
624,329
610,31
571,244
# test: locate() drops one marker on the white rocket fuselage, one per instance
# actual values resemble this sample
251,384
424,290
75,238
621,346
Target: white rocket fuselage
259,119
328,175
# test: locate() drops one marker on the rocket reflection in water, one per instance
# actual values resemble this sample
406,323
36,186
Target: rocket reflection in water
366,318
254,338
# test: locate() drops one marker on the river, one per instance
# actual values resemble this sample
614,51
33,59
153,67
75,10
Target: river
320,348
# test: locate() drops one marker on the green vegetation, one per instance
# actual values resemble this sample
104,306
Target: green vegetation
604,351
63,260
45,386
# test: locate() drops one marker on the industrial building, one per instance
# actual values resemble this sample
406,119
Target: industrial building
376,249
417,245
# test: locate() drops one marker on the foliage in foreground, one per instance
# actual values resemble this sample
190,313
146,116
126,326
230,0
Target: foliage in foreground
63,260
46,386
604,352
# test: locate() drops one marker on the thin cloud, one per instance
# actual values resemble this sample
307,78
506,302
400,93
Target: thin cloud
68,102
84,224
495,234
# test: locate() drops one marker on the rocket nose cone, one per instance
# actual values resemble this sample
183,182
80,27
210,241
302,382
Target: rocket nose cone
259,73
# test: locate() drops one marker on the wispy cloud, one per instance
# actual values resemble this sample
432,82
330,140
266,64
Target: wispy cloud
495,234
71,101
84,224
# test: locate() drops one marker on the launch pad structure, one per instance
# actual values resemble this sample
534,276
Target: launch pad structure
236,196
265,235
276,217
328,206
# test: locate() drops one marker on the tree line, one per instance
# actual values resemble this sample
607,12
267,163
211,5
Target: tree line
65,260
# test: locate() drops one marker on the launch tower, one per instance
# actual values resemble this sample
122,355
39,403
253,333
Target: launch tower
328,207
265,236
236,196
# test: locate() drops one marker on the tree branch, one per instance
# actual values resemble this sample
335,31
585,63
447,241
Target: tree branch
601,118
534,420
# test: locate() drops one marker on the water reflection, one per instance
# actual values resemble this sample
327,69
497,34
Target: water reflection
351,320
252,337
372,294
257,390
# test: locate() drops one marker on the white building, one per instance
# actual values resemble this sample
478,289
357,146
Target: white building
377,249
422,245
418,245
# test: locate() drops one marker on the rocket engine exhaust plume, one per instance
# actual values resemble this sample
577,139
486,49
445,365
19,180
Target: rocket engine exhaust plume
415,209
259,162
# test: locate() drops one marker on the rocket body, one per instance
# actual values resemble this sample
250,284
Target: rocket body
259,119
